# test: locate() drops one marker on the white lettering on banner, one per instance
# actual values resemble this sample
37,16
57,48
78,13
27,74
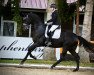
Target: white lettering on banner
16,48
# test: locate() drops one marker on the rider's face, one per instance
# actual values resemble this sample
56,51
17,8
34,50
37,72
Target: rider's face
52,9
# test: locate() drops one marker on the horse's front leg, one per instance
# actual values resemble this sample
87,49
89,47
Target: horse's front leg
23,60
30,49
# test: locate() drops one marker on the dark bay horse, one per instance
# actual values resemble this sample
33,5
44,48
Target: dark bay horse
68,40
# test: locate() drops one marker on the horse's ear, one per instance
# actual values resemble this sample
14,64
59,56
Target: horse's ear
31,13
24,18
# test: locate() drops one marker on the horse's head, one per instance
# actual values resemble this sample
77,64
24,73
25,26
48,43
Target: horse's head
37,27
27,20
32,18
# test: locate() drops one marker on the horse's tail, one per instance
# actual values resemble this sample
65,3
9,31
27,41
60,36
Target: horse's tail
87,45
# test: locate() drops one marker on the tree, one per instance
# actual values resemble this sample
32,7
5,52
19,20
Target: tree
66,13
12,12
17,16
86,32
49,53
1,6
5,9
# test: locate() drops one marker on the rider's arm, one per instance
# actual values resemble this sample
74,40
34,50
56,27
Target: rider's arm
54,16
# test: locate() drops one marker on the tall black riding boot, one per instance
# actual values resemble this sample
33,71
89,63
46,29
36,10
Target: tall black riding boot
48,41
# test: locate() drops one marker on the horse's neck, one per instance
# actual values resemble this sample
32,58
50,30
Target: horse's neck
34,28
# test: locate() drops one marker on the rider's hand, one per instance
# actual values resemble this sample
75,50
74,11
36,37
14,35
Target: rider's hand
49,23
45,22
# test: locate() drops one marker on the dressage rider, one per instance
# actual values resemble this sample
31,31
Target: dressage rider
54,21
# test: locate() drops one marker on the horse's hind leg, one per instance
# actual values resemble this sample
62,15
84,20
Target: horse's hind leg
61,58
77,58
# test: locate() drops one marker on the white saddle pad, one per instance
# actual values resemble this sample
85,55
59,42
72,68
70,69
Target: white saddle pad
56,34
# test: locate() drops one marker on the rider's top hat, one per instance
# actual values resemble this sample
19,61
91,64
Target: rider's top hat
53,6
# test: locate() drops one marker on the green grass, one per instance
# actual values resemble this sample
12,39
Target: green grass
65,63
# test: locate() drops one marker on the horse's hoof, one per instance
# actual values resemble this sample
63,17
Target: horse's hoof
35,58
75,70
21,63
51,67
